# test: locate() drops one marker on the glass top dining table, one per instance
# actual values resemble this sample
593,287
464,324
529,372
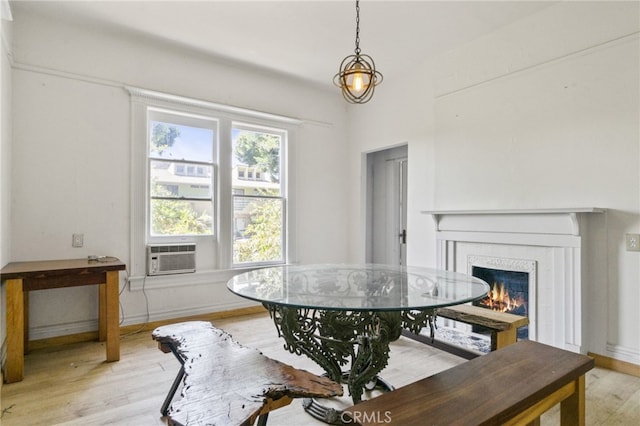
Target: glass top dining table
339,314
358,287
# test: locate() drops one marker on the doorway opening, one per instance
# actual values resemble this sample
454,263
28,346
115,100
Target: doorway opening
386,206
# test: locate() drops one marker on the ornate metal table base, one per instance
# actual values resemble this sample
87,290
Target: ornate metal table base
333,416
343,316
334,338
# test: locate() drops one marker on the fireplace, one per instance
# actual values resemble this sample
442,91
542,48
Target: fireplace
509,293
543,250
513,284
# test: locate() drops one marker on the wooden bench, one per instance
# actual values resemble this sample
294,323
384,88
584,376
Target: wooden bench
226,383
502,326
513,385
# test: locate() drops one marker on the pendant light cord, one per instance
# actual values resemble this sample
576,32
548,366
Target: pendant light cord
357,27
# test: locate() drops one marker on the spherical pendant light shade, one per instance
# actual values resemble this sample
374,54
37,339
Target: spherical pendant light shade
357,77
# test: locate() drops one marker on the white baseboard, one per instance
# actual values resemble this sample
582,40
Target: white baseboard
622,353
49,331
185,312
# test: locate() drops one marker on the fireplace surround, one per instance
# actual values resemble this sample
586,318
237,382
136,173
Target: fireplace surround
549,245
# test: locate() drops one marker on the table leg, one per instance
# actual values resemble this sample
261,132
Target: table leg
572,409
25,307
102,312
111,309
14,363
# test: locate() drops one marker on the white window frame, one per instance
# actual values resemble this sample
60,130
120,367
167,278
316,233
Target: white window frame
222,269
283,187
181,118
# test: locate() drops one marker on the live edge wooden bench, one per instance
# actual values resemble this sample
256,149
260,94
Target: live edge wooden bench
226,383
511,386
503,326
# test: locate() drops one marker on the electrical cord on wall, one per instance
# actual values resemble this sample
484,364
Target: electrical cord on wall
146,300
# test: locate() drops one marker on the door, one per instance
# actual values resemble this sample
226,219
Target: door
387,206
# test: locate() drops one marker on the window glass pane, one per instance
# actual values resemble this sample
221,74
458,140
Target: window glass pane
257,229
170,179
180,217
256,162
178,142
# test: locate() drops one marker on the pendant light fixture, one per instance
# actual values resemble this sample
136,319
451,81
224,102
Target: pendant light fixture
358,76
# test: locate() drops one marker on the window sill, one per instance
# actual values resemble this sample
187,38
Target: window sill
209,277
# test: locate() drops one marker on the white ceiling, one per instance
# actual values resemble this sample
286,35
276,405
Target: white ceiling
302,38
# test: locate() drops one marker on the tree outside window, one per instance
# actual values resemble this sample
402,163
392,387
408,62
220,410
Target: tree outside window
258,201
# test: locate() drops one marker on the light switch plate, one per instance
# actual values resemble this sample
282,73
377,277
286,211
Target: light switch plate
78,240
633,242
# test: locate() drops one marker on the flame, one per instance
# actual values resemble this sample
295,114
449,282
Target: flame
499,299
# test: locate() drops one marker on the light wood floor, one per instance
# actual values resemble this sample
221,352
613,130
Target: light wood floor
72,385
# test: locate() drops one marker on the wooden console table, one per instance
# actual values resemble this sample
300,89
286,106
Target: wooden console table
22,277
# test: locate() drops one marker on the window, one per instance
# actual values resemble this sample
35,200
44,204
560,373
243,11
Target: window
189,184
258,206
168,189
180,204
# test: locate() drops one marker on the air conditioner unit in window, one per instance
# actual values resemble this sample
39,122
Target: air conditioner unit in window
171,259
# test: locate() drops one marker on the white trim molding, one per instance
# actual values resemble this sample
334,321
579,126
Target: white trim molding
5,10
152,95
570,214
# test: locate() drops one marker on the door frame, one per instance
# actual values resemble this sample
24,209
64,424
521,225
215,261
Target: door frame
368,160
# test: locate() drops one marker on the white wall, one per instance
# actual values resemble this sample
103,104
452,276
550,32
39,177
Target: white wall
5,137
5,153
542,113
400,112
71,159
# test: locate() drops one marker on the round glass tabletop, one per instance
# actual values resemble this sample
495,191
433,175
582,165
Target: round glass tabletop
361,287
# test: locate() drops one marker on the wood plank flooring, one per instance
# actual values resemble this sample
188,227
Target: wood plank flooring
73,385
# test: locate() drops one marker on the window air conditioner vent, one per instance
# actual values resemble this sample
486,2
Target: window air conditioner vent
171,259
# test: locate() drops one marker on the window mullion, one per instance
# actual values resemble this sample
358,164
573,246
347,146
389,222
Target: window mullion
154,197
225,201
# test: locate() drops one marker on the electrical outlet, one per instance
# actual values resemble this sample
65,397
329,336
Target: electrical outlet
633,242
77,240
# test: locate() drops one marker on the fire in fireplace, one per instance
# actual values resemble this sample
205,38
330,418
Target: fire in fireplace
509,293
499,299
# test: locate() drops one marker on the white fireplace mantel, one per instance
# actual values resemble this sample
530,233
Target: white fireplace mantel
571,214
552,240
